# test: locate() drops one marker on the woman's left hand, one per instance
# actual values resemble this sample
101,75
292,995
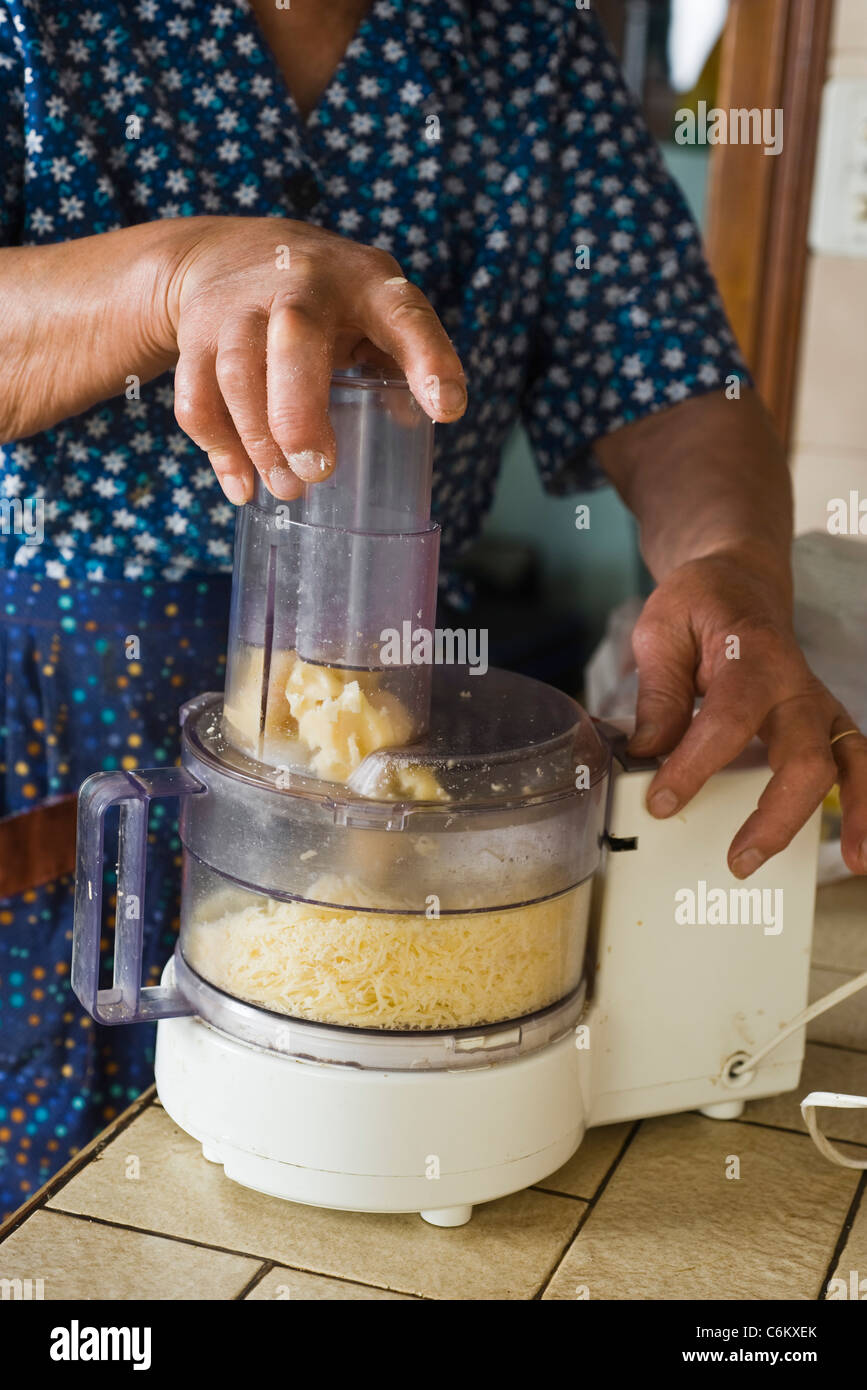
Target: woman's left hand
718,628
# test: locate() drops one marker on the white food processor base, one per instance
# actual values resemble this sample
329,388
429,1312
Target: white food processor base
433,1142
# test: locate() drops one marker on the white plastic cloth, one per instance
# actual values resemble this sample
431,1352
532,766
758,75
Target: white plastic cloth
610,677
831,614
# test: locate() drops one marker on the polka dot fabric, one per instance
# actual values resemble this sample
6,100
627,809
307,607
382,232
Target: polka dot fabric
91,676
480,143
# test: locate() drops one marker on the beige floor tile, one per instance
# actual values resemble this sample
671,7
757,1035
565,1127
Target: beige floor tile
825,1069
583,1174
84,1260
840,933
294,1284
853,1260
671,1225
846,1024
506,1251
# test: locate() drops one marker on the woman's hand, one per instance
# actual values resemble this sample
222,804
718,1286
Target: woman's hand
262,310
720,627
255,312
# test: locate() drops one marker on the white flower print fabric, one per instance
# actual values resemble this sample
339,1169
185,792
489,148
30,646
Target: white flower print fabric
491,147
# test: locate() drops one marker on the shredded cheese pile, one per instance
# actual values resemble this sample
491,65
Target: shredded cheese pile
388,970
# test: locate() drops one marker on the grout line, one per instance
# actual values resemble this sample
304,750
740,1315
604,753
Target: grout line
343,1279
788,1129
799,1133
838,1047
843,1238
78,1161
590,1207
265,1260
160,1235
256,1279
552,1192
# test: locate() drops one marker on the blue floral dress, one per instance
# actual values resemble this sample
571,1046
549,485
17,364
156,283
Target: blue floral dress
494,150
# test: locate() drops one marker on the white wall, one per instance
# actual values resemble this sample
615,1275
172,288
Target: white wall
829,453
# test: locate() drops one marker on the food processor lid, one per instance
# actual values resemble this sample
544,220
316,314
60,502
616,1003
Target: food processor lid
494,740
493,737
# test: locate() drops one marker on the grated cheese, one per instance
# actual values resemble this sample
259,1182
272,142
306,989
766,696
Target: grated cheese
390,970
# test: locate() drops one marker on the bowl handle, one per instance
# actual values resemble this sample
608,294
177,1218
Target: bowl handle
127,1001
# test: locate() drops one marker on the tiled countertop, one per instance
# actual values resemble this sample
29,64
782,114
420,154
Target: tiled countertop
642,1210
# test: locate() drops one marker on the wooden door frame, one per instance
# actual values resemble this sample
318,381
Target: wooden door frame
774,55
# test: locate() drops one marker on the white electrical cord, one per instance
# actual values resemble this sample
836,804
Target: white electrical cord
828,1001
831,1099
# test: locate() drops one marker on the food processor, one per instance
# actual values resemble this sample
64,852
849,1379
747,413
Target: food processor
429,932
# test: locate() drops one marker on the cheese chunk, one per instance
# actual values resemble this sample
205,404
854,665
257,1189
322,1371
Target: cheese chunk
323,718
339,722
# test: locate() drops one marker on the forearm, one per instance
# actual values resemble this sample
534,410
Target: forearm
707,476
77,318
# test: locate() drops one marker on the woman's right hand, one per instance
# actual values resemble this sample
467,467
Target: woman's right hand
261,311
